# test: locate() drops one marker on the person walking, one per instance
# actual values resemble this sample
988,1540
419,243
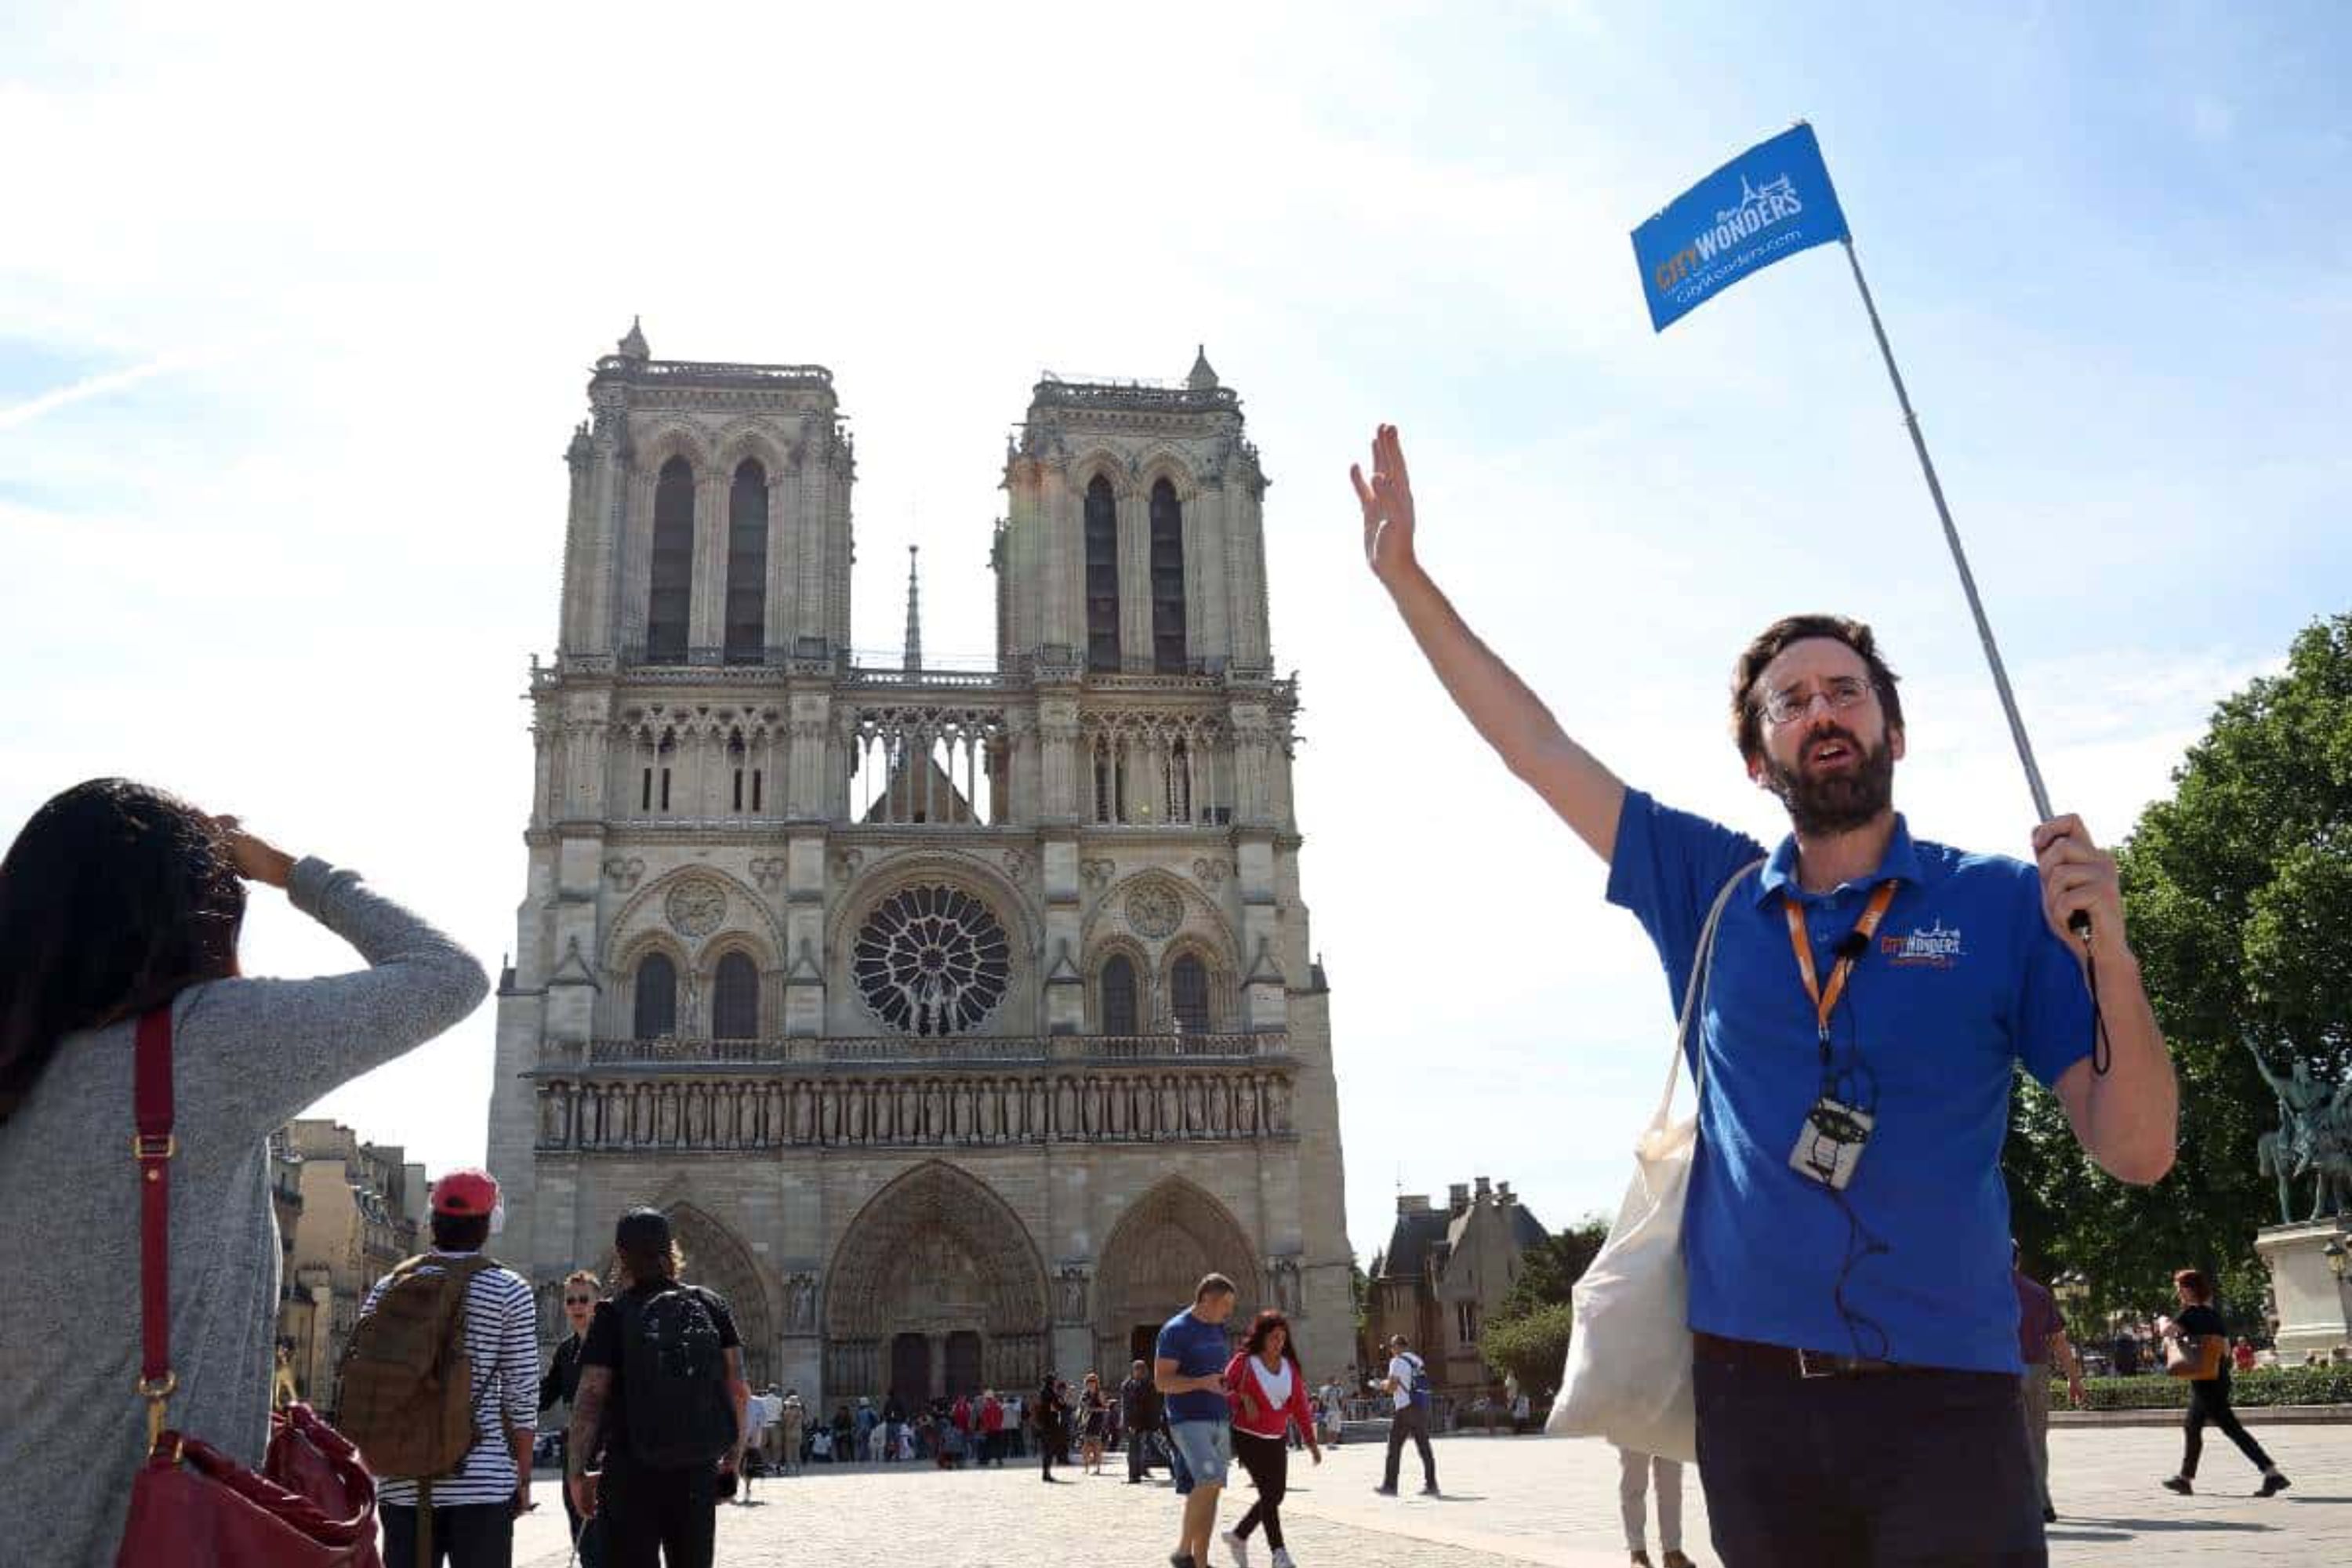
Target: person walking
1636,1473
1189,1368
660,1404
792,1420
2042,1340
118,900
2203,1338
1266,1388
472,1511
1407,1386
1053,1434
1872,998
581,1290
1094,1416
1140,1409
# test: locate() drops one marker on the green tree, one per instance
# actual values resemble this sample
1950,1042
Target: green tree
2239,894
1529,1336
1532,1347
1549,1270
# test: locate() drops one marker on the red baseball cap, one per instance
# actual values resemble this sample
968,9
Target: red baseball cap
466,1194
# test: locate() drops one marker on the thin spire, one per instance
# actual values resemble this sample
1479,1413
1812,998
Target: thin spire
633,345
914,616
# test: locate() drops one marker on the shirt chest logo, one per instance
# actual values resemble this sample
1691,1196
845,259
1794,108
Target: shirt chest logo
1935,946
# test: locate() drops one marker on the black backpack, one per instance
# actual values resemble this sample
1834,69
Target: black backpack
674,1379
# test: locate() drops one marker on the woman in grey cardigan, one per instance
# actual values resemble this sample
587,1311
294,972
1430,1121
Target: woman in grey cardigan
115,899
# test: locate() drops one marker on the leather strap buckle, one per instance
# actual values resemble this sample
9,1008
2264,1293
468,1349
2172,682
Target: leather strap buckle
155,1146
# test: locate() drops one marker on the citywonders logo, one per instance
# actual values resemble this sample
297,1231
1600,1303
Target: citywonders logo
1696,264
1937,947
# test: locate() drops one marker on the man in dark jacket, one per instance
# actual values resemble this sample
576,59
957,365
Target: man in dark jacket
1140,1409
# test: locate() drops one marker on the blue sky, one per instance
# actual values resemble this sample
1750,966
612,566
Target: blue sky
296,312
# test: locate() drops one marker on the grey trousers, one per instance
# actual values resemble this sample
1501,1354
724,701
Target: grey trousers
2036,1383
1635,1473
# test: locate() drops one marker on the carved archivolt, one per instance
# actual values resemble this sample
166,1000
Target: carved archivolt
1157,1252
942,1234
648,910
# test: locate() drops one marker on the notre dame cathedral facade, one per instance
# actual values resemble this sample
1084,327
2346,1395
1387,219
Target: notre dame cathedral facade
960,1020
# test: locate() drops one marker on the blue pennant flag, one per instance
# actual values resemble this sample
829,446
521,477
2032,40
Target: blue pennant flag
1765,206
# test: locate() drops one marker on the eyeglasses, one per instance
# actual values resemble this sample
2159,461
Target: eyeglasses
1842,693
580,1300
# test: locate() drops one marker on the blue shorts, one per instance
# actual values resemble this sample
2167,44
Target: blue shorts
1206,1448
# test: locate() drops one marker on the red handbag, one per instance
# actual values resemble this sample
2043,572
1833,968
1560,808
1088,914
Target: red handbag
192,1506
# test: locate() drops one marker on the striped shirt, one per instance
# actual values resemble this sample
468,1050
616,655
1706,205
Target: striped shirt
502,1338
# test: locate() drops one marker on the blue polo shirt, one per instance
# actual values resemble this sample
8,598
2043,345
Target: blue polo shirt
1964,980
1199,1350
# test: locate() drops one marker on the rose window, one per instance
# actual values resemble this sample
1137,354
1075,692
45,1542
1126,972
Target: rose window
931,961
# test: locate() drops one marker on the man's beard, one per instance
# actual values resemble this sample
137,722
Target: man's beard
1822,805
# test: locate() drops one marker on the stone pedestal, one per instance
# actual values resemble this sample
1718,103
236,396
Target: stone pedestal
2315,1308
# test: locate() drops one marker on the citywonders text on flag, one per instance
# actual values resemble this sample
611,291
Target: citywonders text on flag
1765,206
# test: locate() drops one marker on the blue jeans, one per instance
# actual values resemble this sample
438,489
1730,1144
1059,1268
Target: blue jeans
1888,1469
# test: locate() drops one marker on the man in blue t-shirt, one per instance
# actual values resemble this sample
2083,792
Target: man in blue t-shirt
1189,1369
1869,999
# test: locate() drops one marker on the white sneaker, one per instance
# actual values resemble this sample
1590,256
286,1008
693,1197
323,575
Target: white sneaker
1239,1546
1282,1559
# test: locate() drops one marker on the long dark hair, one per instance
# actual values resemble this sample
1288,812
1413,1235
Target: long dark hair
1262,1329
114,898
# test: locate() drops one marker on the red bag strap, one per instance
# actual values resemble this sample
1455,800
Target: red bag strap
152,1148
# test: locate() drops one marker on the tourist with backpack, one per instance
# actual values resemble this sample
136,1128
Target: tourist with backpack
1407,1385
658,1414
440,1390
118,903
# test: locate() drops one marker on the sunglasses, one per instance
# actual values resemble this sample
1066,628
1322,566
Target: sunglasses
580,1300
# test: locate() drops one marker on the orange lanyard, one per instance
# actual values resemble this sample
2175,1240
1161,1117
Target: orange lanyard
1825,1002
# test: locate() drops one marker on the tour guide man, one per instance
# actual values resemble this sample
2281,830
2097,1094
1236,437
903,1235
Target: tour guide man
1854,1328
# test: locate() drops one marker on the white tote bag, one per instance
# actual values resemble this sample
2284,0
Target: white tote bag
1628,1376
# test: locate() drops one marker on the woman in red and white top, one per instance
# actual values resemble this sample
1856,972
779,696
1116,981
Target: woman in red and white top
1266,1390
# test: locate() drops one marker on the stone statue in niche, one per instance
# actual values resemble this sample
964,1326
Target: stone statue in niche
802,1313
1071,1302
1284,1275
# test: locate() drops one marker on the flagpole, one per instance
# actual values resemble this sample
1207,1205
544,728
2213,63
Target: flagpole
1959,556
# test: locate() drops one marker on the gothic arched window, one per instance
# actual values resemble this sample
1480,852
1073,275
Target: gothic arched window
1119,995
1167,580
657,998
672,592
1188,994
747,564
1102,575
735,999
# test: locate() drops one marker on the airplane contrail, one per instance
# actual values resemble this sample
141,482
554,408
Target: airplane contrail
91,386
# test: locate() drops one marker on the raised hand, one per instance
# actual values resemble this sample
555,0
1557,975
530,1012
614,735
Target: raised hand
1387,501
254,858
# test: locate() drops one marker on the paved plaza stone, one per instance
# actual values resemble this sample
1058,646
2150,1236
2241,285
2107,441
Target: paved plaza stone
1508,1501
